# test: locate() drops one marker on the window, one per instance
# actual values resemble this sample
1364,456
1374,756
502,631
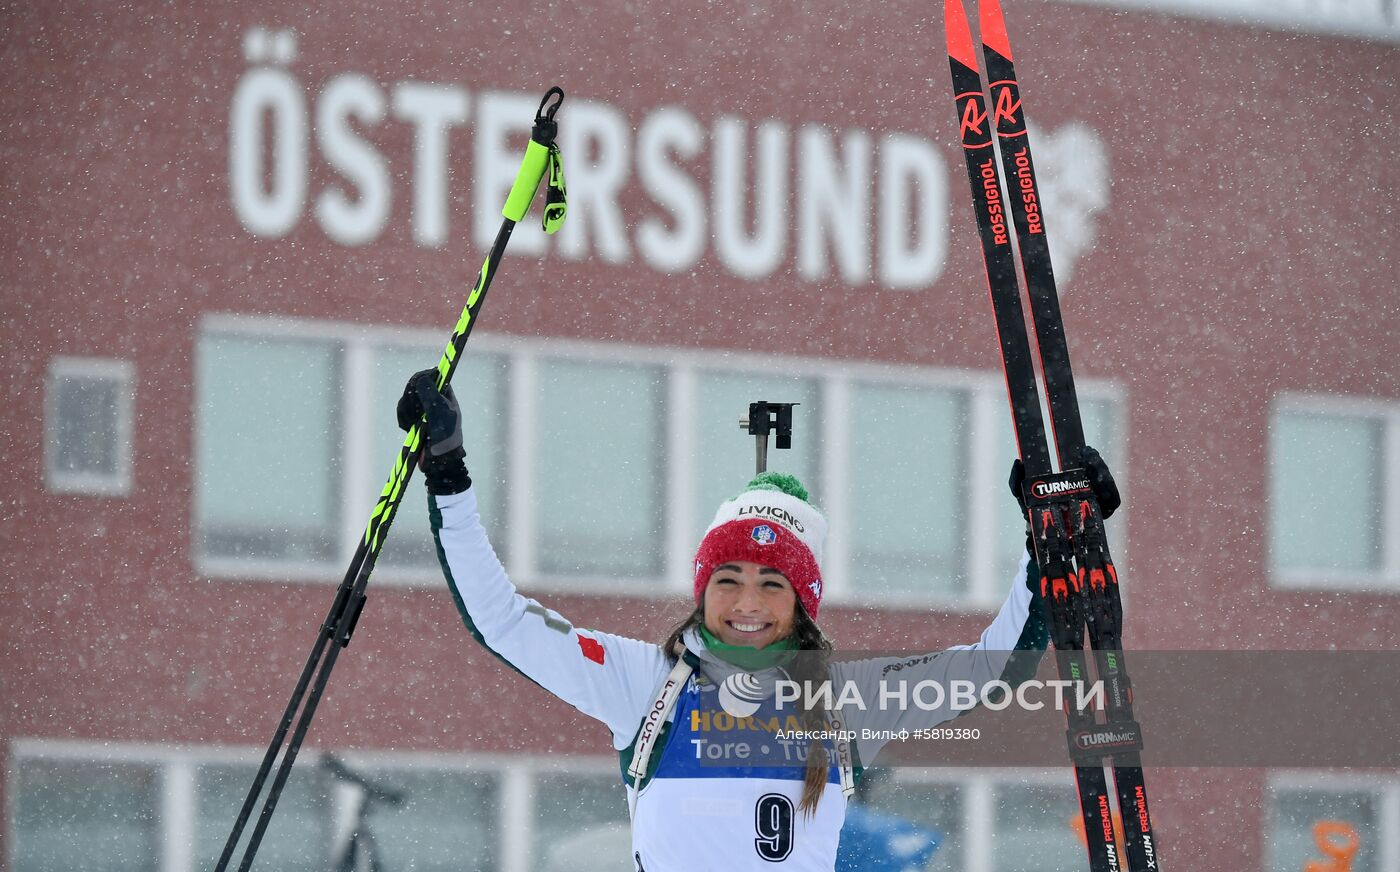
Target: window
937,807
113,806
600,478
1000,821
908,488
580,824
986,820
268,448
445,820
1367,19
599,466
296,435
1329,520
88,424
84,814
1035,826
142,808
1331,820
297,840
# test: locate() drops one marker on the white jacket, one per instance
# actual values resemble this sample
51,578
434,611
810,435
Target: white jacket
721,792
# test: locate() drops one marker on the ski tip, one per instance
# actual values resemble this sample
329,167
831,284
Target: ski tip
959,34
994,27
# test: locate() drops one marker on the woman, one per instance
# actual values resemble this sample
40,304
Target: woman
731,755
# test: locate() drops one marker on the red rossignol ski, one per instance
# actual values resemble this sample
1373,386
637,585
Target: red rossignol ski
1097,576
1079,583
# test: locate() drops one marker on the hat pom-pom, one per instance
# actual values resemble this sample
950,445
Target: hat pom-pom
779,481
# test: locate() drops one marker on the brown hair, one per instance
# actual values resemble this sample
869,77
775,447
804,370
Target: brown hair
806,668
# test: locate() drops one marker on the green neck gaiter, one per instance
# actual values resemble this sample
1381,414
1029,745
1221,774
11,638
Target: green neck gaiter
748,658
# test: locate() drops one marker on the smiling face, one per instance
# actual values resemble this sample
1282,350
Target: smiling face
749,604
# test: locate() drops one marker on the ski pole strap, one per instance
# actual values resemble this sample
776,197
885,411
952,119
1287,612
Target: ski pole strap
555,199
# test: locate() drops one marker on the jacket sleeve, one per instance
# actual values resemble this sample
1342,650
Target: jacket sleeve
611,678
1009,650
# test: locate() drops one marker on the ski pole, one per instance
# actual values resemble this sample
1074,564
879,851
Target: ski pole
541,159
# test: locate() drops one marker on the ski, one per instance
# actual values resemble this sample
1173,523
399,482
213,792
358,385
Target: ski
1098,577
1079,582
1058,580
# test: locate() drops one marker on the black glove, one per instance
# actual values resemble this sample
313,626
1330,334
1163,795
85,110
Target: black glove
1100,481
443,460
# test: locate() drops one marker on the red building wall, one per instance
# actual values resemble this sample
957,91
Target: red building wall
1247,248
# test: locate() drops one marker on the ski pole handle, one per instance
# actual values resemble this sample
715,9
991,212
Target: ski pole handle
540,155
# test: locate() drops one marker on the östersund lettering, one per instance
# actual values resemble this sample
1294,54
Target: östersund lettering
709,194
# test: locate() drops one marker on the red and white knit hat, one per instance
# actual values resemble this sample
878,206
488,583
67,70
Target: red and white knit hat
772,524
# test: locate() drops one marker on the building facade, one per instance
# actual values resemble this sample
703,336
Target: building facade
235,233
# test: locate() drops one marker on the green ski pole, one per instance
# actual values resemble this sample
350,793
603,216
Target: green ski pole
541,162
